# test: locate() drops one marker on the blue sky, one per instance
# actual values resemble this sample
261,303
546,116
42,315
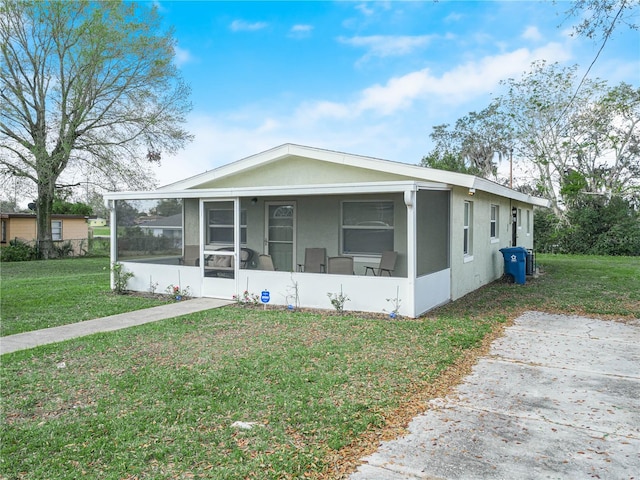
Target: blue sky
370,78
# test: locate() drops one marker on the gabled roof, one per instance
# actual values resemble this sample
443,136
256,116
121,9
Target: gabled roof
390,176
329,156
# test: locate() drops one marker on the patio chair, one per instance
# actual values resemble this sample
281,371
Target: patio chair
341,265
387,264
265,262
314,260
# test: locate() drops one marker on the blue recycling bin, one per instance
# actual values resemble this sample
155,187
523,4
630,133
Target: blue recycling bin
515,262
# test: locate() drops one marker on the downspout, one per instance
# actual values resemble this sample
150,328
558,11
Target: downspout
409,201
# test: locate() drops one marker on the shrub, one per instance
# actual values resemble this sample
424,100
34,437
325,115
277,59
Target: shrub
120,278
18,251
594,225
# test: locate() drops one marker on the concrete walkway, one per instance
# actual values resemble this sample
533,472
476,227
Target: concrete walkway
557,397
22,341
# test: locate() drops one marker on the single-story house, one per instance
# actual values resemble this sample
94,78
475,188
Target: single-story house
64,228
256,225
170,226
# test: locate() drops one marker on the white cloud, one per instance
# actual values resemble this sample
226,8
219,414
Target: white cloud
365,9
455,86
532,33
388,120
182,56
243,26
300,31
388,45
453,17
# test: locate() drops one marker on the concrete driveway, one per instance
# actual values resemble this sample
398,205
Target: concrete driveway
558,397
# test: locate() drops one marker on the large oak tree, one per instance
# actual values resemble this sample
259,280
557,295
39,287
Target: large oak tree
86,87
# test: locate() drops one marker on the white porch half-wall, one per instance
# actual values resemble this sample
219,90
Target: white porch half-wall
366,293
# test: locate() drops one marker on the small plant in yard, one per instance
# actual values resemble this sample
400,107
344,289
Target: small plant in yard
120,278
153,286
338,300
293,297
178,292
247,299
395,304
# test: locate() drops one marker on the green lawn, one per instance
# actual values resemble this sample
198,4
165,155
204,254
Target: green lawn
160,400
35,295
102,231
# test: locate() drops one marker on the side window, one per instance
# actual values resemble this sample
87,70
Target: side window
56,229
468,229
528,222
495,226
519,218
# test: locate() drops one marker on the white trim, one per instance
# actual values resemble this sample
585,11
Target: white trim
279,190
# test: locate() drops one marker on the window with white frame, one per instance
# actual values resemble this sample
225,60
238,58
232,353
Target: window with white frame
220,228
528,222
4,231
467,238
367,227
494,228
56,229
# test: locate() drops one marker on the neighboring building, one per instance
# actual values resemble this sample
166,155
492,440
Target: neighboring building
97,222
445,228
64,228
164,226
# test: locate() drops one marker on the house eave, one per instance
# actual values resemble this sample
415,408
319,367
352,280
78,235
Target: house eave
280,190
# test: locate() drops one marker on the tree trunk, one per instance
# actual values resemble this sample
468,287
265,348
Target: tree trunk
44,205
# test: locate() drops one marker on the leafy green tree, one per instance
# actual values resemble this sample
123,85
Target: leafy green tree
598,18
598,225
71,208
473,145
542,110
448,161
607,147
168,207
85,86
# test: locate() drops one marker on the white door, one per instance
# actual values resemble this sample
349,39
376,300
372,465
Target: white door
280,234
219,266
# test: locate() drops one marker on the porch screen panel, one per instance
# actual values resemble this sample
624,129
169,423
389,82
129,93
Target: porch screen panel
432,242
367,227
150,231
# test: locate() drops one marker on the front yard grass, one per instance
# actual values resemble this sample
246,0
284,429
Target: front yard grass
42,294
161,400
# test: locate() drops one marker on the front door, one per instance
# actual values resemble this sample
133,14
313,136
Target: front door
280,234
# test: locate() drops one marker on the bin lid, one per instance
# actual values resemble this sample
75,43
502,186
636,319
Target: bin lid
513,249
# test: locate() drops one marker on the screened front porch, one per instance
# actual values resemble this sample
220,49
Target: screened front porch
221,246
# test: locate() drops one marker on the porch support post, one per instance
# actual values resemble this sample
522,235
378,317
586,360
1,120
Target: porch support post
409,201
236,243
113,233
202,241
